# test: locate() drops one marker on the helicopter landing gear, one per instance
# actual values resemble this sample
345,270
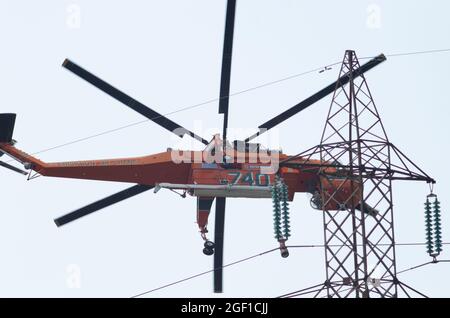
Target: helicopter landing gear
209,248
209,244
208,251
203,209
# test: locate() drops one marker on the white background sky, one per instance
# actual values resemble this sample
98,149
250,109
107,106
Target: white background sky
167,54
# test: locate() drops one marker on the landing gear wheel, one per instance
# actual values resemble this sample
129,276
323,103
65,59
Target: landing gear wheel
209,244
208,251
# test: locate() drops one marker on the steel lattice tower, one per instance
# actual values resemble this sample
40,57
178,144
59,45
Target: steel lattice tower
359,235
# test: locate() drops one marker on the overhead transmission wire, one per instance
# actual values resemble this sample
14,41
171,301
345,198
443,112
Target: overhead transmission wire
424,264
415,53
231,95
205,272
310,290
261,254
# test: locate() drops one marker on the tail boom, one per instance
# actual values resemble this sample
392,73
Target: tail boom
146,170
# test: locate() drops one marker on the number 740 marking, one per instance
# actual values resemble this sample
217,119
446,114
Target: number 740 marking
250,178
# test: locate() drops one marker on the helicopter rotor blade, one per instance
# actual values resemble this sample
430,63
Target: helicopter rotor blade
227,55
130,102
219,229
103,203
223,109
316,97
10,167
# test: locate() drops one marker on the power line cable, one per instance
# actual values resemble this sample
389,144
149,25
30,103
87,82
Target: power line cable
413,53
205,272
421,265
313,289
252,257
341,245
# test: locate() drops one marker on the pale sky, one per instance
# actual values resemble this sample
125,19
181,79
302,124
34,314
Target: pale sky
167,54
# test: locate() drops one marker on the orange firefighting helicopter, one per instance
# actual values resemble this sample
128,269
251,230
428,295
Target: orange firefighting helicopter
224,170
